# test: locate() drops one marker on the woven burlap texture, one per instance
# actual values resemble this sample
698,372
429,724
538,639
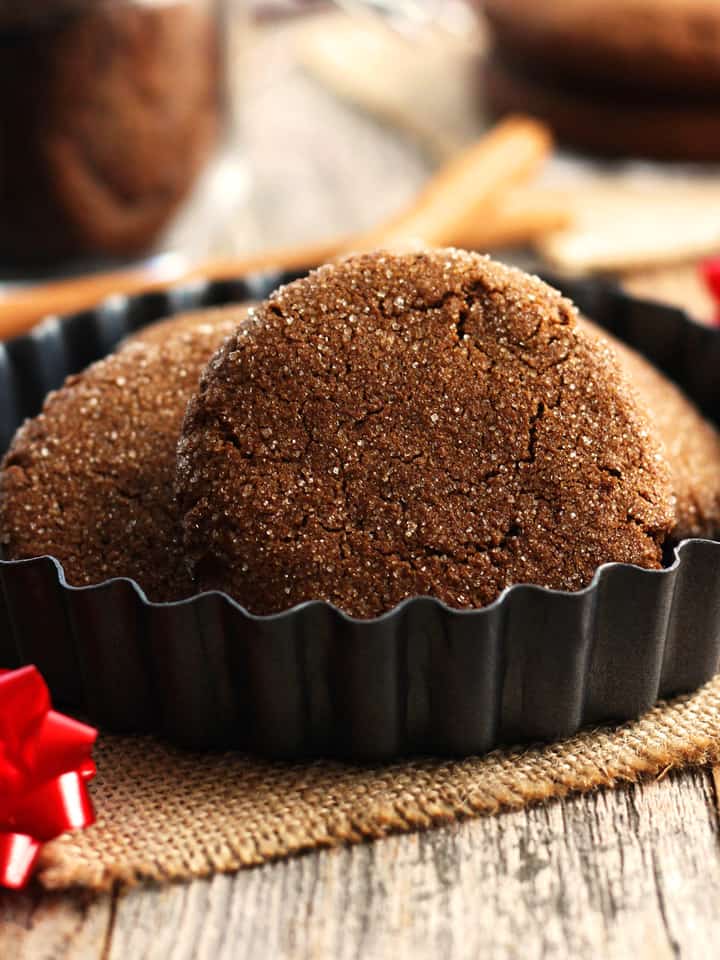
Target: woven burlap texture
165,814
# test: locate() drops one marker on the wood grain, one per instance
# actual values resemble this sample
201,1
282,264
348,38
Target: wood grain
630,872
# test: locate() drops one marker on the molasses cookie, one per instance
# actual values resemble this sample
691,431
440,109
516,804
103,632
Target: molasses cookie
691,443
90,480
604,122
112,109
661,47
432,423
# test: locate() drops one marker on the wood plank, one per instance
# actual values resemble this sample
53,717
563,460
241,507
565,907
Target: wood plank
35,925
632,871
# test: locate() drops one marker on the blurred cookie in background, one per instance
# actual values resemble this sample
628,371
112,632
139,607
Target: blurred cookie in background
649,46
115,110
615,77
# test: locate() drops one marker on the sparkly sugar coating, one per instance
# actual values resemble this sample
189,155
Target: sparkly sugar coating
90,480
691,443
427,423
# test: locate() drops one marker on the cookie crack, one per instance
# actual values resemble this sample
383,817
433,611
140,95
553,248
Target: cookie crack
533,426
229,437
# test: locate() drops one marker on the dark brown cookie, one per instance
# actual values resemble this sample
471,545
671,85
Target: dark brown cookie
605,123
666,47
691,443
111,115
90,480
421,424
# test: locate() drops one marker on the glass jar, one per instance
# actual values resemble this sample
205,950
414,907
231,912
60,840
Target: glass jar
109,111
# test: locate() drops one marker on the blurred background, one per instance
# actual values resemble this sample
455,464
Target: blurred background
165,135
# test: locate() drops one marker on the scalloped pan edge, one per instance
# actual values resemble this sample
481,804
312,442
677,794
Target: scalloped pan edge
536,664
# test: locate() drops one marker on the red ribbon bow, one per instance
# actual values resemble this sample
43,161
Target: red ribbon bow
45,763
710,272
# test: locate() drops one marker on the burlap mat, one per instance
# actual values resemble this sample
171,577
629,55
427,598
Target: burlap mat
164,814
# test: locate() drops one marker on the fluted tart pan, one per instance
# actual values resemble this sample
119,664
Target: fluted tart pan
422,678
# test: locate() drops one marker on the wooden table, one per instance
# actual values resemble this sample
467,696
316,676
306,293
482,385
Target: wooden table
630,872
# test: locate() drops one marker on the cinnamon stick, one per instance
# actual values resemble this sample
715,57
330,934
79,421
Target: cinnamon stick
459,206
